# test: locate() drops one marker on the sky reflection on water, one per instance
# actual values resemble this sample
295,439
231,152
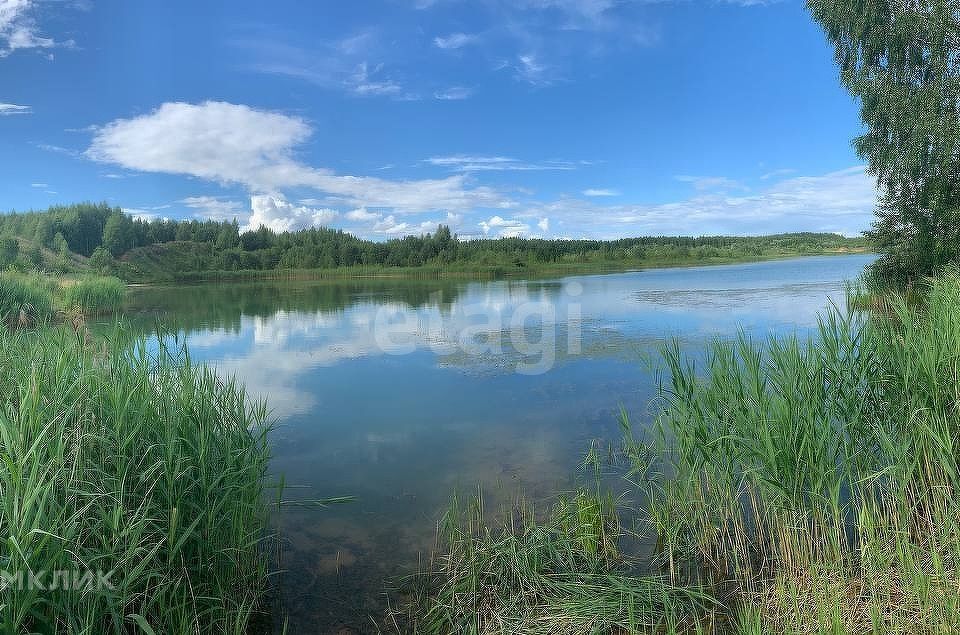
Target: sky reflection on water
400,393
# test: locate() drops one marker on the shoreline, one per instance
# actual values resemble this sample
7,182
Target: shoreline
414,274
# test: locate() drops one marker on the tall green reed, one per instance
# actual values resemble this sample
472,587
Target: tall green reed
132,463
94,294
795,485
813,483
25,298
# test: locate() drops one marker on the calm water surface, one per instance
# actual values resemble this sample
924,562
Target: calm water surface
400,393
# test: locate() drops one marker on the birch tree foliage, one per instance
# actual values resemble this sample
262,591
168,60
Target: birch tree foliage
899,59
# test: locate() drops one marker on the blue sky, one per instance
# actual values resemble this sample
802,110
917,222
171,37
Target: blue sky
554,118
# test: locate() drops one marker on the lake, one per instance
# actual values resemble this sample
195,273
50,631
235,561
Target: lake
402,392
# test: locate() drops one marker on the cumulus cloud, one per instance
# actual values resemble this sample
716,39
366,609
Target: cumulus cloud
390,226
214,140
278,214
236,144
214,208
143,214
503,228
14,109
361,214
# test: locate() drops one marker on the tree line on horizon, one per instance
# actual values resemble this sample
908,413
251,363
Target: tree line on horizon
109,238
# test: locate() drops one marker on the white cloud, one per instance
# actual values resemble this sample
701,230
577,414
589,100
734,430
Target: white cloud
49,147
143,214
841,202
19,29
361,214
504,228
39,185
214,208
230,143
364,82
390,226
455,40
374,224
600,192
453,93
355,64
467,163
214,140
530,69
276,213
14,109
235,144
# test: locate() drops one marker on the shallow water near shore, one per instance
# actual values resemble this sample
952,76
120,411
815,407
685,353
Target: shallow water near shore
401,392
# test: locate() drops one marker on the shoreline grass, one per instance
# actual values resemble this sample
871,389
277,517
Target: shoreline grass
814,481
36,298
803,485
473,272
25,298
557,571
94,294
141,466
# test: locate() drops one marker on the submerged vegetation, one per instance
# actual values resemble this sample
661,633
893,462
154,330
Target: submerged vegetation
139,476
806,486
562,573
104,240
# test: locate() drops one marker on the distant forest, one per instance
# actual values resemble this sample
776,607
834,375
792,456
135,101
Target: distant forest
102,238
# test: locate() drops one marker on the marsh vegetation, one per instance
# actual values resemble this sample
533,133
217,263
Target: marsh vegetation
137,468
790,486
38,298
